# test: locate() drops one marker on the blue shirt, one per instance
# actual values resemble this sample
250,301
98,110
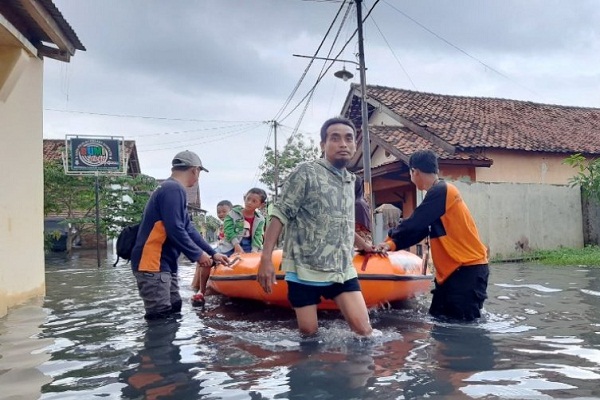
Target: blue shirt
166,231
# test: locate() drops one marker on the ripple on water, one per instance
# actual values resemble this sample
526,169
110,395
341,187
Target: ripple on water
101,347
590,292
536,287
565,346
503,323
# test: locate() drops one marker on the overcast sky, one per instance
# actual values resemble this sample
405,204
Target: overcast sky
207,75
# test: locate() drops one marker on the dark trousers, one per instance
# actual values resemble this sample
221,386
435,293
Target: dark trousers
160,293
462,294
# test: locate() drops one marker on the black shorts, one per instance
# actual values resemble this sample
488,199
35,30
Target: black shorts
462,294
301,295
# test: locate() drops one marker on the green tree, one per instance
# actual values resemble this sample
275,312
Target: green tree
121,200
296,150
588,175
208,226
71,197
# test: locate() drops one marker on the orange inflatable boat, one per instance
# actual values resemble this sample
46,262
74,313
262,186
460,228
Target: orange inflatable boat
399,276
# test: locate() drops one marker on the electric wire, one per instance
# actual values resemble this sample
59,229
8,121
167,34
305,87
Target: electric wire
216,136
293,93
297,86
214,128
143,116
329,67
459,49
187,143
334,41
394,54
264,153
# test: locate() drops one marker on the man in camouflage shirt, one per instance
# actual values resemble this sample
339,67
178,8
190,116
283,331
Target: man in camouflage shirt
317,209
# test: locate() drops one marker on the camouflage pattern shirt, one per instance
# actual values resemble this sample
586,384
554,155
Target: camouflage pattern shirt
316,208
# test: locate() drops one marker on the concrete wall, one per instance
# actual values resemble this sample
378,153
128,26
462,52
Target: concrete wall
526,167
512,217
591,221
21,180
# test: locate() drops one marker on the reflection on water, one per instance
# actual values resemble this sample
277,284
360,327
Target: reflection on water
540,339
157,370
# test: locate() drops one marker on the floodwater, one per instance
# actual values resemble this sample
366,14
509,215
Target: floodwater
540,339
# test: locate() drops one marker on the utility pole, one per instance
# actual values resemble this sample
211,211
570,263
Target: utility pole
366,141
97,198
345,75
276,177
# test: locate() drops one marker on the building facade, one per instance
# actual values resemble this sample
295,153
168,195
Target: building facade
30,31
506,157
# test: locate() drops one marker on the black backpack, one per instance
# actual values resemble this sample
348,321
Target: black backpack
126,241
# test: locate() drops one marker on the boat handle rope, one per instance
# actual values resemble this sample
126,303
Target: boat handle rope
368,255
230,263
365,261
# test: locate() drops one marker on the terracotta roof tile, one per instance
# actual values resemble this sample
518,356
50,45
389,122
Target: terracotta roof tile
479,122
407,142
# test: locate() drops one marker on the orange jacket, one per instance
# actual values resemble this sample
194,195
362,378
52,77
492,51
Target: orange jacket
444,216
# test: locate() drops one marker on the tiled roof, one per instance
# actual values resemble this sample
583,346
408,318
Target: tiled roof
53,149
408,142
18,15
479,122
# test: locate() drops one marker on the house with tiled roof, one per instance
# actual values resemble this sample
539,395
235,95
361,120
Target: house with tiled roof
506,156
31,33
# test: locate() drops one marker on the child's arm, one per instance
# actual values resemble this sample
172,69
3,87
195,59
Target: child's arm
230,234
259,236
229,229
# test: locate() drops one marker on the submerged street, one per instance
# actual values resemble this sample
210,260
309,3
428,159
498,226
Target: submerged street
540,339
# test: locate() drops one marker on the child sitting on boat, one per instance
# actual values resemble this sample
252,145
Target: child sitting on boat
202,274
244,227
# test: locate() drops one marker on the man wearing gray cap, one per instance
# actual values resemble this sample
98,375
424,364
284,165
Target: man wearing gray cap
165,232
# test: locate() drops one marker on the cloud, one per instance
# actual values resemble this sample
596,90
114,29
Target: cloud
196,67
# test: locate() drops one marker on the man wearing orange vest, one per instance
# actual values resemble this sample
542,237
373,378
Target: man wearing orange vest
460,258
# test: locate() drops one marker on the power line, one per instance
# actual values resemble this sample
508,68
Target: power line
296,87
394,54
264,153
334,41
329,67
187,143
291,95
143,116
145,135
217,135
459,49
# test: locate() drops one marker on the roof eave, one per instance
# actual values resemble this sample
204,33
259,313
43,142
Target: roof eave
57,40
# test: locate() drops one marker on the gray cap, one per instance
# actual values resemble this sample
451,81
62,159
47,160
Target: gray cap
187,158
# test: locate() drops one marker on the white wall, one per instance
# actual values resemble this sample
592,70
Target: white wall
524,167
21,187
539,215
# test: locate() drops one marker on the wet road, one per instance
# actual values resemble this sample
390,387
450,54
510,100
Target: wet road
540,340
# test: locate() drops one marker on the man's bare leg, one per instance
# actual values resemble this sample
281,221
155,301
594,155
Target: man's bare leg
306,316
353,307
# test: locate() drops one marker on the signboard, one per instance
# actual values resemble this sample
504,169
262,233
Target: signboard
93,155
